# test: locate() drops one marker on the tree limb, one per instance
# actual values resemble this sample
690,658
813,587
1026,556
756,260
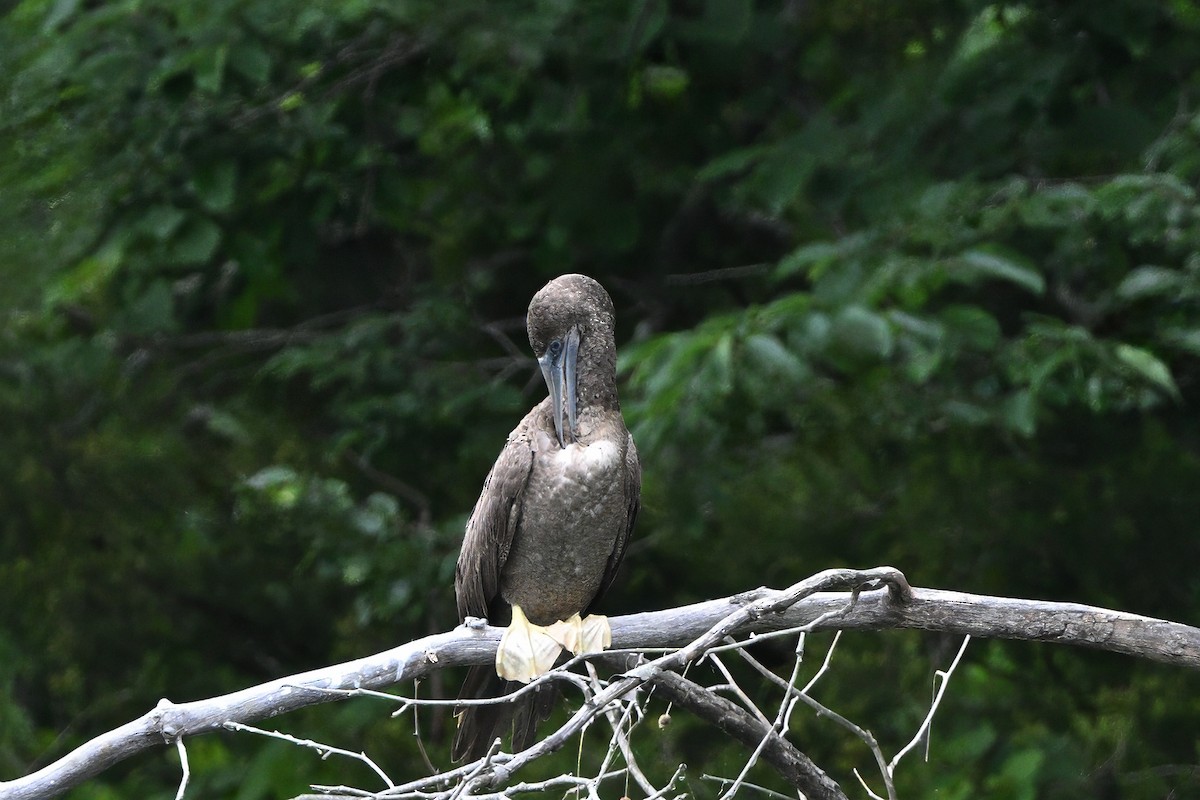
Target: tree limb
695,628
795,767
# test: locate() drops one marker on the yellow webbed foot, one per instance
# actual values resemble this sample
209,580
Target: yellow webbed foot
595,635
591,635
526,650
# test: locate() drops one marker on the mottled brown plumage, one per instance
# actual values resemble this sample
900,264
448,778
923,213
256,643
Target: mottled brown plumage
551,525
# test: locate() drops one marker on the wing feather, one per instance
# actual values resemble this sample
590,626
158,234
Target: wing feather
486,545
633,500
492,525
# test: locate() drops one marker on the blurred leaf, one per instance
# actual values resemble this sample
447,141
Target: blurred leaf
1004,265
161,221
1184,339
664,82
251,61
973,326
216,185
196,242
210,68
1057,206
861,332
1148,366
816,254
775,359
1020,413
1149,281
731,162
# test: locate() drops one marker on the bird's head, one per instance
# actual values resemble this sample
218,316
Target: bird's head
570,314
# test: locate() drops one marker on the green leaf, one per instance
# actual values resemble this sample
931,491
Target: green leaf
1148,366
644,24
968,413
91,275
1019,413
161,221
862,332
770,354
281,485
226,426
922,329
722,363
1004,265
971,326
1056,206
216,185
1184,339
1148,281
921,365
782,175
732,162
196,242
209,68
153,311
60,11
664,82
810,255
291,101
250,61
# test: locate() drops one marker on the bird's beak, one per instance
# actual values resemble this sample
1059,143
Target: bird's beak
559,372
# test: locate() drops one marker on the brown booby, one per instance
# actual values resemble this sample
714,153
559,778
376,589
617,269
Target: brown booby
556,512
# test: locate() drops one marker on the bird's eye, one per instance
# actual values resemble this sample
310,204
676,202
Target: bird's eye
555,347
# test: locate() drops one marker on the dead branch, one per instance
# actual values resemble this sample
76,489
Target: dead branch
695,629
795,767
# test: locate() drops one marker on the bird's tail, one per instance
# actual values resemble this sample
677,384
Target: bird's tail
479,726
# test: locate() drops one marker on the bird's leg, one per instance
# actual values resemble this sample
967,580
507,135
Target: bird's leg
590,635
526,650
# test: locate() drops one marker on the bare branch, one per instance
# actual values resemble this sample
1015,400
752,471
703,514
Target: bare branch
737,690
184,768
622,723
697,628
837,637
779,726
795,767
761,789
944,681
324,750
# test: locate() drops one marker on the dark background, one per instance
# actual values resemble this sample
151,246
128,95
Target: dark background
897,283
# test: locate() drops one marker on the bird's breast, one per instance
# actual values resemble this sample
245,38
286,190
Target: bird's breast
581,464
574,511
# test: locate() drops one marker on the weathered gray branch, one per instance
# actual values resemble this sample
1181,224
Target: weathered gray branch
929,609
795,767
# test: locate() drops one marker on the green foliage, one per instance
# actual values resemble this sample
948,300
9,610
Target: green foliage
896,283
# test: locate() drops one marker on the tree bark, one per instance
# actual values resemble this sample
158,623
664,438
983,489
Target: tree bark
794,766
928,609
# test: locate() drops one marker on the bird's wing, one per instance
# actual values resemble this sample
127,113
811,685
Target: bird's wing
492,526
633,499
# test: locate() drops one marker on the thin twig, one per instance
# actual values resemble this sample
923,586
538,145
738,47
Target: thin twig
808,627
620,737
183,764
824,664
483,764
747,785
862,733
944,677
324,750
721,274
777,727
737,690
417,731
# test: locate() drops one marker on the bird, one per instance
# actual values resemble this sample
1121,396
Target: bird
553,520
